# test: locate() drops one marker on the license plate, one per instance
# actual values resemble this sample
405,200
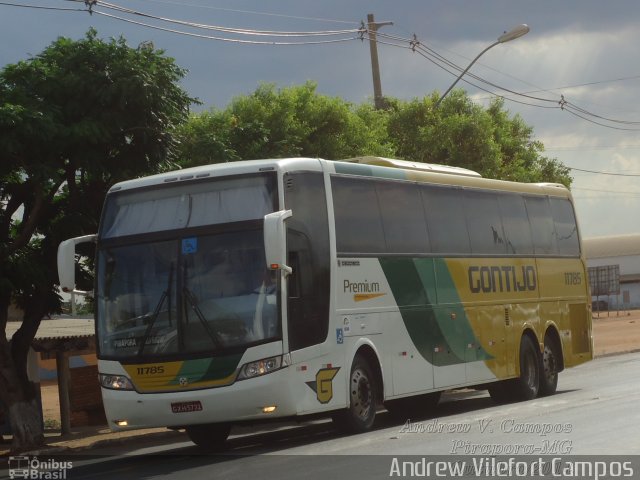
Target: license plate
184,407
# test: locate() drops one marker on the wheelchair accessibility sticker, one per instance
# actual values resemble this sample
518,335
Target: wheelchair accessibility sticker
189,245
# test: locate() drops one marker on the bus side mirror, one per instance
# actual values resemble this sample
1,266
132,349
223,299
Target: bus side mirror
67,262
274,240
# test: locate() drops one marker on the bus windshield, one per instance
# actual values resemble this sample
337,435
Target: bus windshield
184,291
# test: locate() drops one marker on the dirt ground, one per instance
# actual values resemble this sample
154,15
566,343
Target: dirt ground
616,332
613,332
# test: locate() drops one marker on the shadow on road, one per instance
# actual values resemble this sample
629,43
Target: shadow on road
255,449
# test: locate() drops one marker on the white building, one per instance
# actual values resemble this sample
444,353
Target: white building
622,250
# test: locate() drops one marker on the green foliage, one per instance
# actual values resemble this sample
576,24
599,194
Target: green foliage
74,119
297,121
51,424
272,123
464,134
205,139
85,114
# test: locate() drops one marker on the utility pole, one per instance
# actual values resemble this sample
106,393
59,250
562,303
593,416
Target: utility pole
372,28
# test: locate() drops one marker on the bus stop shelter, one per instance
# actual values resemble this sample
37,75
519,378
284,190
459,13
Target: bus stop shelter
60,338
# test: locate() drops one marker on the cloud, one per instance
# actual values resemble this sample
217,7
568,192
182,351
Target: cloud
571,43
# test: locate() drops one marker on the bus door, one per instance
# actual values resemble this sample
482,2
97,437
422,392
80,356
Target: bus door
314,359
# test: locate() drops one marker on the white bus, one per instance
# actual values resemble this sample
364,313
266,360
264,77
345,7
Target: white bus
294,287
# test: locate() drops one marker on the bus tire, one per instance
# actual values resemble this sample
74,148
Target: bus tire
501,392
211,437
549,369
526,386
361,412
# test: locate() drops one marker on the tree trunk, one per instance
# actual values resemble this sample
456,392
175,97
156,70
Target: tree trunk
26,425
19,397
16,390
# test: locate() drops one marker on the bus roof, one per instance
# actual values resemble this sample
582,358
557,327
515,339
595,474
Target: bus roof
220,170
440,174
407,165
360,166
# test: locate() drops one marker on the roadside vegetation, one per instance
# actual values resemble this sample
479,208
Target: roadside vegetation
85,114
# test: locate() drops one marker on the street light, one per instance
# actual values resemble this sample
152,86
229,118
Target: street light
512,34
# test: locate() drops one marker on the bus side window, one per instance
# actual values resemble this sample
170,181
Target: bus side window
566,230
446,220
542,228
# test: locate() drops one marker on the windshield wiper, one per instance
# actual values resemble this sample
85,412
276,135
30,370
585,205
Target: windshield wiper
166,295
215,336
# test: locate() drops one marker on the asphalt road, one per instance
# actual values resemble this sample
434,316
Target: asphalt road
595,412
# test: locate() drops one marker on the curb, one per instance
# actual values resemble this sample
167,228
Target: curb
98,443
106,442
613,354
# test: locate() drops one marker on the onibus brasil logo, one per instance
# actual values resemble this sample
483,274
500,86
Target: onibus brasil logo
34,468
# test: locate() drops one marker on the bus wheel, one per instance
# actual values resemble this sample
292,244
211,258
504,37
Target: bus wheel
550,363
527,385
210,437
361,413
501,392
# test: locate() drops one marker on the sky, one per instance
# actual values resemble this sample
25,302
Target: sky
583,52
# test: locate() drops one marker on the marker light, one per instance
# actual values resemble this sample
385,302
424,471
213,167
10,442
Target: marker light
121,423
269,409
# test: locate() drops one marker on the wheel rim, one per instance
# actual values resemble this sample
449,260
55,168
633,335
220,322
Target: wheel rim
361,394
549,364
530,368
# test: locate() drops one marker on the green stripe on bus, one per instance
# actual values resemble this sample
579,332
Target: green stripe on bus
416,309
458,332
439,339
208,369
222,367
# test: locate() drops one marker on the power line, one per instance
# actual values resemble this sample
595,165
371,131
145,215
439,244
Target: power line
251,12
241,31
605,191
605,173
610,196
447,65
438,60
590,147
599,123
352,34
563,104
40,7
552,89
223,39
625,122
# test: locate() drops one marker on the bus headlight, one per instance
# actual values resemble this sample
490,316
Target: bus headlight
115,382
264,366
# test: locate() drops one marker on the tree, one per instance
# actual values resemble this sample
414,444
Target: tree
74,119
464,134
289,122
297,121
